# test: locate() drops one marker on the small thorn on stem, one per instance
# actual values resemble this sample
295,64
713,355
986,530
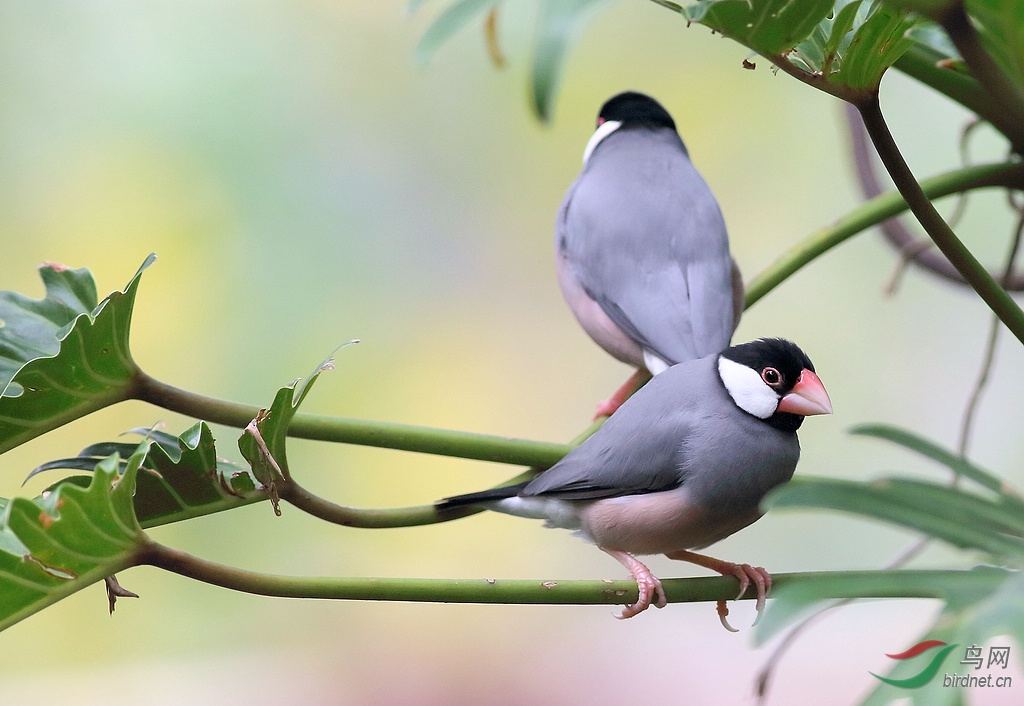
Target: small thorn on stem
115,591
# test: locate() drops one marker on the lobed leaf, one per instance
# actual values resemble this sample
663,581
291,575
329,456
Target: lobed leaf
55,545
181,476
71,360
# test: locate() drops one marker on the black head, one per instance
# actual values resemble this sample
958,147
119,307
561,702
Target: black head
779,363
634,109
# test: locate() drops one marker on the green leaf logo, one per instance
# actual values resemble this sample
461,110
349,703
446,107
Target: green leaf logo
926,674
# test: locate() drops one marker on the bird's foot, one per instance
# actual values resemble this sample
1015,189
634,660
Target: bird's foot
634,383
745,573
648,585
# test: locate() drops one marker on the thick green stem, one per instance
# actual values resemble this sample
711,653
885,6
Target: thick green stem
831,584
943,236
875,211
405,437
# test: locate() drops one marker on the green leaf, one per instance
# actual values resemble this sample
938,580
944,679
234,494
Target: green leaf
769,27
451,20
29,327
971,618
1001,26
856,44
929,449
557,26
936,510
876,45
802,594
70,361
58,544
263,443
181,476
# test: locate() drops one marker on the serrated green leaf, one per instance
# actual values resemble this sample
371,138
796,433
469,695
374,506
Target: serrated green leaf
181,477
58,544
557,26
77,367
940,514
453,18
950,460
769,27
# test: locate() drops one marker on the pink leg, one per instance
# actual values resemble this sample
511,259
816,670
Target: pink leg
647,584
744,572
635,382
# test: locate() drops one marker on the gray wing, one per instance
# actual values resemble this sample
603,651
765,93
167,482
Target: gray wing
647,241
639,449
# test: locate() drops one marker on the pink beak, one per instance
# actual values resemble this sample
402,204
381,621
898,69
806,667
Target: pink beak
807,397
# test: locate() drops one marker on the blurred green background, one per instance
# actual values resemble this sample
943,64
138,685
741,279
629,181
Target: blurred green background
305,182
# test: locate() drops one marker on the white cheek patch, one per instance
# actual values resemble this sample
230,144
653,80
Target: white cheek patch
747,389
603,130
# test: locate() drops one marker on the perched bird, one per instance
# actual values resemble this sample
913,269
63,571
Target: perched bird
682,464
641,249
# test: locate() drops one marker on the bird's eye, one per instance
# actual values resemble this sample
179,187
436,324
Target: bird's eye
771,376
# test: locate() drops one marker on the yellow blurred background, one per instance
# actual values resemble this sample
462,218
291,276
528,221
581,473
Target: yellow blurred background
305,182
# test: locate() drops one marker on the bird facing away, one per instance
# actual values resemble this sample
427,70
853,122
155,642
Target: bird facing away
682,464
641,249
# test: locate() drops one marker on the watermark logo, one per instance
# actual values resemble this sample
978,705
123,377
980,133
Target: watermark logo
998,656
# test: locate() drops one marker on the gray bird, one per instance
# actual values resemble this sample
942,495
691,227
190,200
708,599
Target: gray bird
682,464
641,249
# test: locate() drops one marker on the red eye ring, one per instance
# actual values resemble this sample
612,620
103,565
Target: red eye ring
771,376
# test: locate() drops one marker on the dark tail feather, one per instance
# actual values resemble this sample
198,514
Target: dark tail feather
484,496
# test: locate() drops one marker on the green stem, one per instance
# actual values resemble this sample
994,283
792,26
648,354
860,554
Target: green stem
405,437
921,62
941,234
413,516
875,211
826,584
1008,98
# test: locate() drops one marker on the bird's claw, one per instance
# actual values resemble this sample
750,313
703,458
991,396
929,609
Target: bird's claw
745,573
648,587
723,613
762,583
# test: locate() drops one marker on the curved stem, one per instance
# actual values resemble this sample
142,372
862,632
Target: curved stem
413,516
1008,98
919,252
875,211
405,437
826,584
921,62
943,236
